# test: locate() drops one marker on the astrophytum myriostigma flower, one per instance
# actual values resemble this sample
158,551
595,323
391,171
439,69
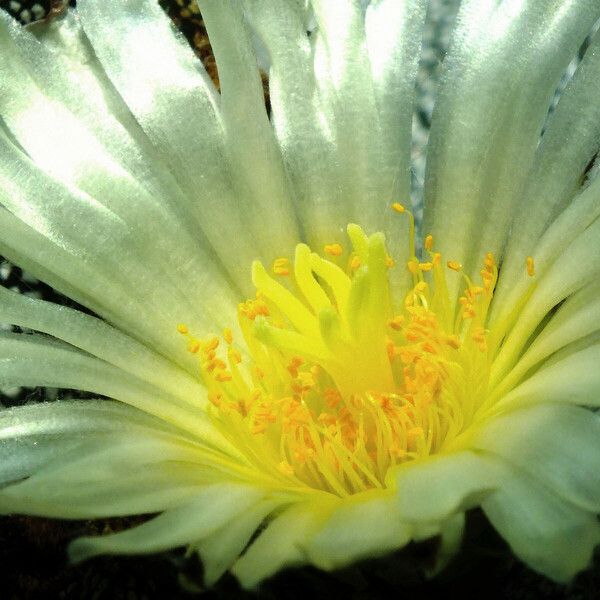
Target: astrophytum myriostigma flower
291,363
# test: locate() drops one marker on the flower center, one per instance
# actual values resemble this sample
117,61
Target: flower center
341,381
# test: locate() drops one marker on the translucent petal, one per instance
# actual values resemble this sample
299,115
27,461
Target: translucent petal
255,159
171,96
221,549
576,319
432,490
559,166
99,339
346,88
108,243
364,526
576,267
506,60
306,141
209,510
141,471
557,445
575,380
552,536
36,434
34,360
281,543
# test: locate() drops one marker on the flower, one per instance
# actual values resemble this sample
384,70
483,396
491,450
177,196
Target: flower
336,387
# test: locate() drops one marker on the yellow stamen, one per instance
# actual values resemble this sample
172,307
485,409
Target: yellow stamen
399,208
344,381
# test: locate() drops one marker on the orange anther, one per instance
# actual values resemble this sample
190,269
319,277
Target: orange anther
333,249
530,266
428,242
454,265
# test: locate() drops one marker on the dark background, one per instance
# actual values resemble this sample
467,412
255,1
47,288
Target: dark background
32,550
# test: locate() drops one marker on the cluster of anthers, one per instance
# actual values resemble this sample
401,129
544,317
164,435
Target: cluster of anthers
336,382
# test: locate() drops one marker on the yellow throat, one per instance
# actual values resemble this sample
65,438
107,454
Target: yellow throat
340,381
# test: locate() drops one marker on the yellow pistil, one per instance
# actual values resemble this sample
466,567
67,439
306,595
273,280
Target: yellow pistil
344,382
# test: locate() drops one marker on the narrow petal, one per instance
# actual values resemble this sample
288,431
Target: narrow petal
108,475
559,166
306,141
255,158
280,544
162,90
221,549
209,510
575,380
106,242
36,434
578,266
99,339
34,360
578,216
506,60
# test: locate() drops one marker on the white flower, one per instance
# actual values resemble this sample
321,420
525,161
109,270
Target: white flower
369,393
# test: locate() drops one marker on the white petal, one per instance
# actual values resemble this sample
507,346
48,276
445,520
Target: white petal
174,101
550,535
348,96
255,158
434,489
36,434
360,527
578,266
557,445
212,508
575,380
576,319
570,141
63,66
34,360
581,213
136,472
108,242
101,340
505,61
220,549
306,141
280,544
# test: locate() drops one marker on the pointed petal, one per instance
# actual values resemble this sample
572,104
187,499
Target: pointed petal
559,166
221,548
280,544
477,165
99,339
212,508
